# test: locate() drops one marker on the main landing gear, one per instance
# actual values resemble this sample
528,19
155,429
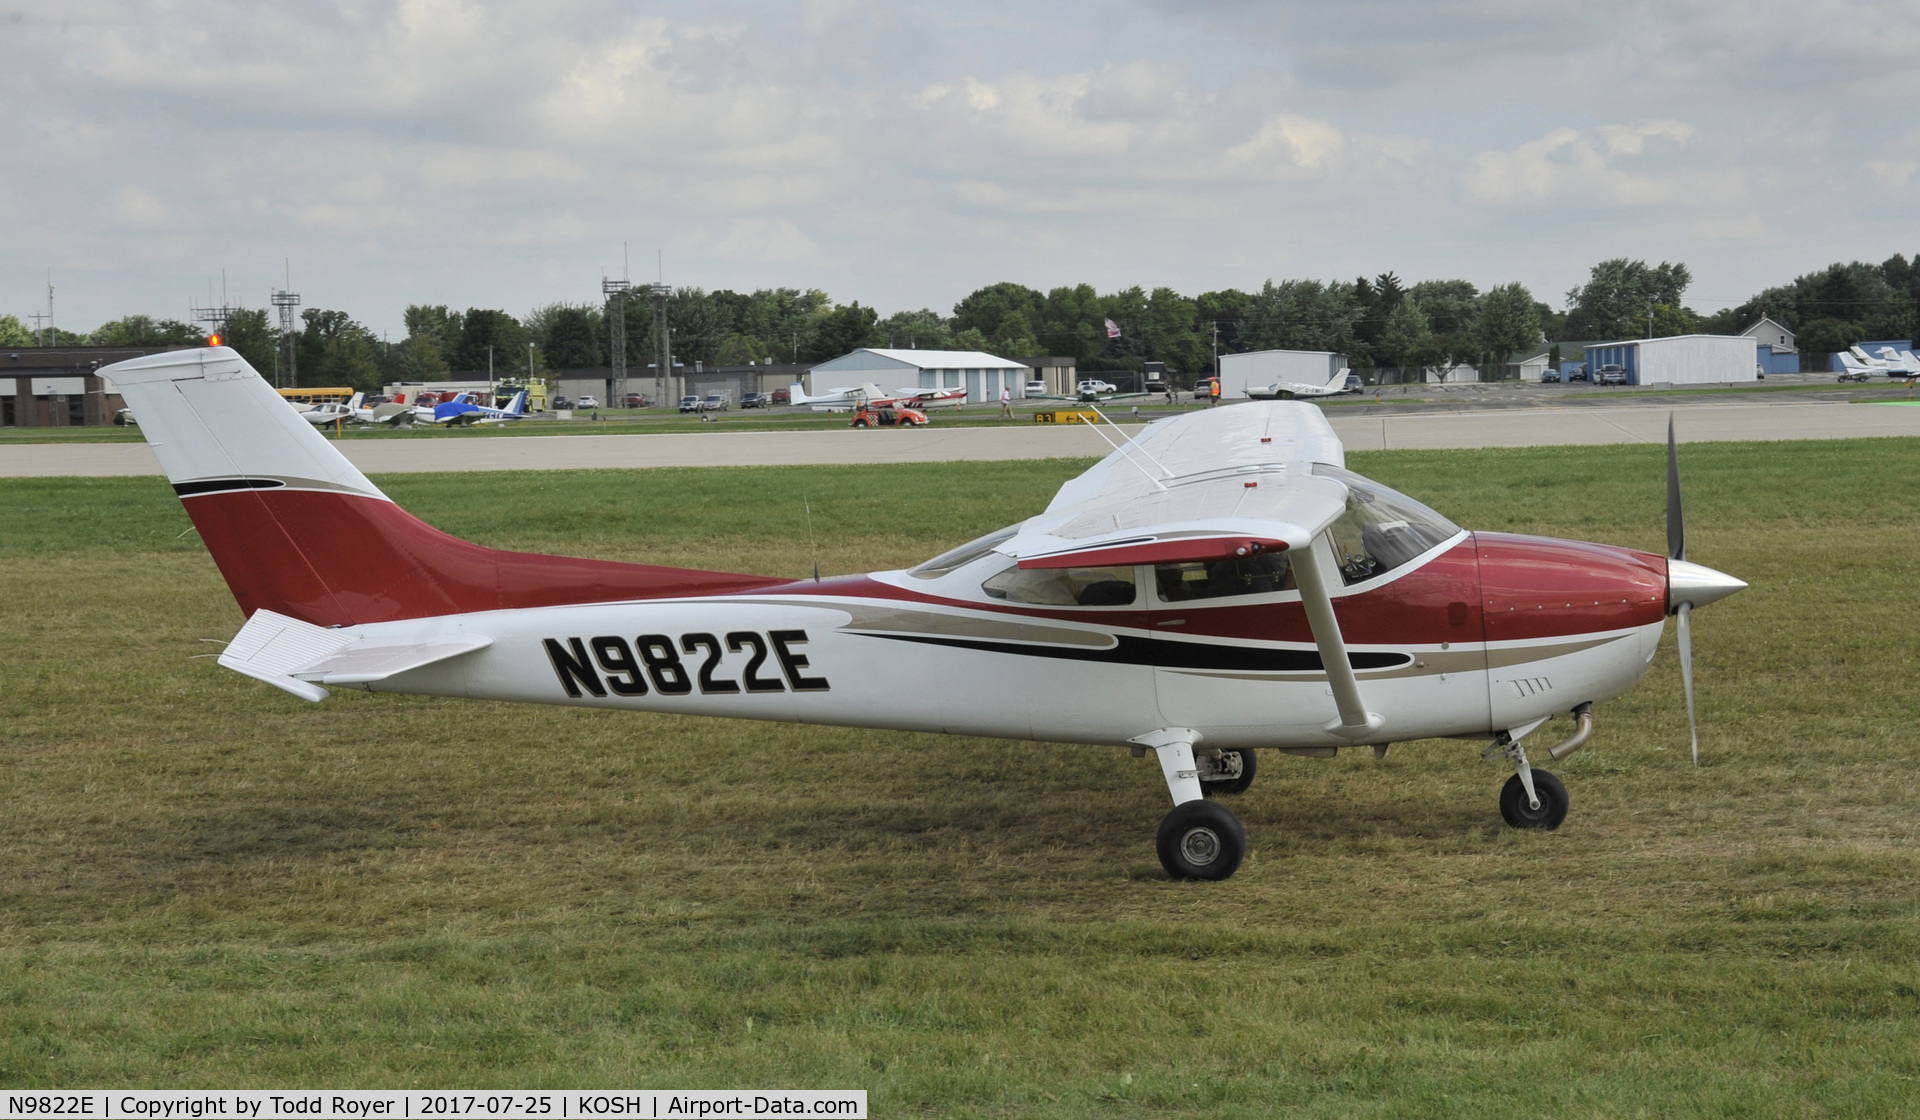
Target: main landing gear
1200,839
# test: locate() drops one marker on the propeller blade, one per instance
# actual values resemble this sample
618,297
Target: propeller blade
1676,522
1686,676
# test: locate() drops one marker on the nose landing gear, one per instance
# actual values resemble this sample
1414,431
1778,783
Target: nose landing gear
1531,798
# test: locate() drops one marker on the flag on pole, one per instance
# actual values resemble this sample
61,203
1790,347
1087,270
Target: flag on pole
1113,329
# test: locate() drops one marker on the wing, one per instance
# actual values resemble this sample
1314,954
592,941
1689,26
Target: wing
1210,485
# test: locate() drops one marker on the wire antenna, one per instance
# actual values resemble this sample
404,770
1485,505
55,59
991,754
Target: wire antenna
813,546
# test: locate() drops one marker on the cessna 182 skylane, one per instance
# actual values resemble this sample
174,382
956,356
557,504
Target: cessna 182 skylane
1219,585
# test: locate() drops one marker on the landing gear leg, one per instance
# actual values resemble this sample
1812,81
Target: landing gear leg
1200,839
1531,798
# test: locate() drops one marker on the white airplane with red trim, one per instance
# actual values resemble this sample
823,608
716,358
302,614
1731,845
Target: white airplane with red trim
1218,586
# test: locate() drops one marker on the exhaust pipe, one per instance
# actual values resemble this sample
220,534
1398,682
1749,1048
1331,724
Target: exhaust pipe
1581,733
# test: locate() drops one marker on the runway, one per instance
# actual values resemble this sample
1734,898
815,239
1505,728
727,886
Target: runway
1696,422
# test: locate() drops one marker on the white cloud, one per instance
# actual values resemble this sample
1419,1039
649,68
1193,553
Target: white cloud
1611,165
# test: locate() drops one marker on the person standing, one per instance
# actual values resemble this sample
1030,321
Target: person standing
1006,403
1213,392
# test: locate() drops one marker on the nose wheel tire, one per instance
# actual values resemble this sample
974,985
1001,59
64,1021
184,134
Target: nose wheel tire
1201,840
1520,814
1238,784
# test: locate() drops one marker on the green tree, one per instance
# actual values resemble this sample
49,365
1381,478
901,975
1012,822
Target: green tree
1827,336
335,350
1447,304
1305,315
1669,321
249,333
843,331
1614,301
435,321
421,359
1405,335
1072,323
1506,321
14,333
573,340
1014,337
984,309
481,329
144,330
924,329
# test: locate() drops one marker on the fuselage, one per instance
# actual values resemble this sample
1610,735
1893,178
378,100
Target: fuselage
1484,632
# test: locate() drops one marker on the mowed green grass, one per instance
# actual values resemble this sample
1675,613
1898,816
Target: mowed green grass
204,881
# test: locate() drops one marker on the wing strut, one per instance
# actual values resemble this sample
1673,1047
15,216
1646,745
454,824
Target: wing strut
1355,721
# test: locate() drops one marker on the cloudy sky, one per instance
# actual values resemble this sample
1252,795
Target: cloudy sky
904,154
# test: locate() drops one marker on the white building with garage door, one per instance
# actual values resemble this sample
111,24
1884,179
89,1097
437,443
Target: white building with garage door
1686,359
981,374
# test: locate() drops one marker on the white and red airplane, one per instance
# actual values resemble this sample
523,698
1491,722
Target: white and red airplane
1220,585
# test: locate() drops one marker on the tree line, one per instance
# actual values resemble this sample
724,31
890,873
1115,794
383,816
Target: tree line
1378,322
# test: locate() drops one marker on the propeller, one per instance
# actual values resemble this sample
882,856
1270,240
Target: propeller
1677,550
1689,585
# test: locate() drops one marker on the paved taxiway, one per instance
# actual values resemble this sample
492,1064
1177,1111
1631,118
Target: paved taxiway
1362,428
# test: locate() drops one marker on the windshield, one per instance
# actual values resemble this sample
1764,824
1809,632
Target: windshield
1382,528
956,558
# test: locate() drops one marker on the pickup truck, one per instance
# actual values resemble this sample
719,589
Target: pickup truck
1611,375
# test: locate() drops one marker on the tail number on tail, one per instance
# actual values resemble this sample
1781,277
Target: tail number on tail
655,660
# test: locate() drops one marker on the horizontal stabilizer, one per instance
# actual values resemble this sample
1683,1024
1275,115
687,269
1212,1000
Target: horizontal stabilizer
271,646
365,664
300,657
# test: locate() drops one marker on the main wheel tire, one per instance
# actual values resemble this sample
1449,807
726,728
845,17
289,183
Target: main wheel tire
1201,840
1233,785
859,423
1553,802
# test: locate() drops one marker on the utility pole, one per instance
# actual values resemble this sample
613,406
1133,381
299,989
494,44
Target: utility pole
1649,316
39,327
615,292
53,332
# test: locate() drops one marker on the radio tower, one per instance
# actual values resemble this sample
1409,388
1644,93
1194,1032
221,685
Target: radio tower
286,360
215,317
616,293
662,344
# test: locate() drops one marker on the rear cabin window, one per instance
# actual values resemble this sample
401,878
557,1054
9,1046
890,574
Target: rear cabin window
1382,529
1064,587
1243,575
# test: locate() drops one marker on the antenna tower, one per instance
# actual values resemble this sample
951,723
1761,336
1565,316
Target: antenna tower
662,342
286,360
215,316
615,292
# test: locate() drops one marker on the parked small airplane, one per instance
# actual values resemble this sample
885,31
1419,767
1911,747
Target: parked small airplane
841,399
390,412
332,412
1220,584
463,411
1341,382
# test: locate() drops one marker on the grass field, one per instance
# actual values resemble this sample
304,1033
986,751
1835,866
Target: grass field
207,882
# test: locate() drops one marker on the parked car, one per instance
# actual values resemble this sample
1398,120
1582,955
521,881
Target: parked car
1034,389
1859,375
1611,375
754,400
1550,377
896,416
559,403
635,400
783,396
588,402
690,403
1579,373
715,402
1095,385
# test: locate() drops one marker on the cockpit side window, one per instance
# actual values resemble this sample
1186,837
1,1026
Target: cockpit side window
1240,575
1382,528
957,558
1064,587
